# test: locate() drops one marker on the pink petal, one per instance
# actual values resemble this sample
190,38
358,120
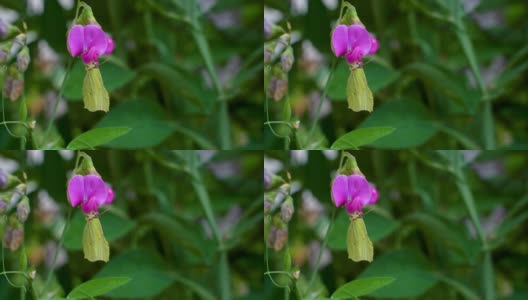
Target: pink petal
354,206
110,45
340,190
75,40
374,45
359,188
76,190
359,38
91,56
90,206
96,191
110,197
340,40
95,38
374,197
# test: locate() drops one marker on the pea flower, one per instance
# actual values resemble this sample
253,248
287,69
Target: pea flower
90,42
352,40
87,39
354,192
89,192
87,189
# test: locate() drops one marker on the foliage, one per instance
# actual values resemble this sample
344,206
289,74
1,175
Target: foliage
448,75
447,225
182,223
182,76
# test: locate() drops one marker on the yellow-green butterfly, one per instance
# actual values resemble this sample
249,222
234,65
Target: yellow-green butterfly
359,246
95,96
359,96
95,246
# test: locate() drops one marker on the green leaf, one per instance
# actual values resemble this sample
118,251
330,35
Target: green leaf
97,287
114,227
378,226
360,137
146,270
411,270
144,117
361,287
114,76
96,137
408,117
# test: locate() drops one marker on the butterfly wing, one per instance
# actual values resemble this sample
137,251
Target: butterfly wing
359,96
95,246
95,96
359,246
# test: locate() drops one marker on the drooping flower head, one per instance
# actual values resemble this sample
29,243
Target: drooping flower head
87,39
89,192
351,39
353,191
90,42
88,189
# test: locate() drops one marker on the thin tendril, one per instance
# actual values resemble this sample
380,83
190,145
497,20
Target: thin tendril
6,272
269,274
268,120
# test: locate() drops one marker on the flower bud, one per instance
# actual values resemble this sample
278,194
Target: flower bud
287,59
271,31
282,43
14,85
23,59
5,48
7,31
3,206
281,193
287,209
277,238
278,84
23,209
13,237
19,42
268,51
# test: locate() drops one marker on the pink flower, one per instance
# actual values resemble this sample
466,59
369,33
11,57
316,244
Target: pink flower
90,192
89,42
353,42
354,192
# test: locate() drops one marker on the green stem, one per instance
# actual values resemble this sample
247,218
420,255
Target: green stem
224,130
316,267
54,261
323,97
203,196
488,277
56,105
488,123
